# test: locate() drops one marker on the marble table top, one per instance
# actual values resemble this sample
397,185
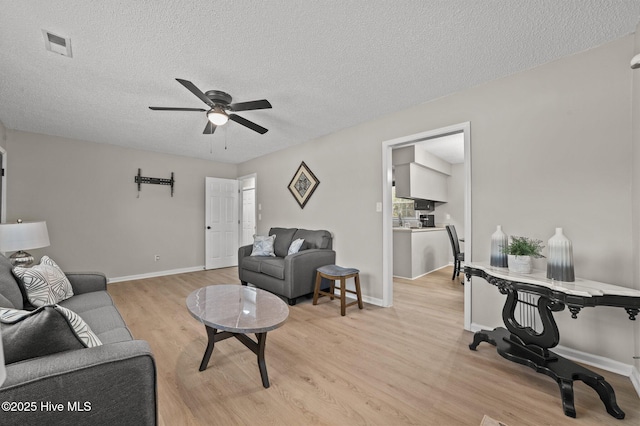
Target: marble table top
237,308
580,287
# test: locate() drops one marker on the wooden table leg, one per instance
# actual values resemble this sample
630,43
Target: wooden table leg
211,333
255,347
258,349
262,365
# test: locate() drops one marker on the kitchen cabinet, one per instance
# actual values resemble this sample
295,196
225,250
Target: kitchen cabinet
419,174
415,181
417,252
425,205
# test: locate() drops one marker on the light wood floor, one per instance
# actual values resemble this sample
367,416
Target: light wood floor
405,365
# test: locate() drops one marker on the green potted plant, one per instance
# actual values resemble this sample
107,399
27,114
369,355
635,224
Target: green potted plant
520,251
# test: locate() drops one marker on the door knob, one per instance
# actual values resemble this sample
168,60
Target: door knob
208,227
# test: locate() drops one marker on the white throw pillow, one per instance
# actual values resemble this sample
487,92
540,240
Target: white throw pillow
295,246
263,246
45,283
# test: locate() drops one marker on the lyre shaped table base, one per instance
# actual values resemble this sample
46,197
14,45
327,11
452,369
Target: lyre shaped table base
524,345
563,371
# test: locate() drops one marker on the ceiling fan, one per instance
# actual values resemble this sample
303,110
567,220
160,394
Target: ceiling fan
221,109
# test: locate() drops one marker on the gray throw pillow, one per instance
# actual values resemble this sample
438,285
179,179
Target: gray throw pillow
45,331
263,246
9,287
284,236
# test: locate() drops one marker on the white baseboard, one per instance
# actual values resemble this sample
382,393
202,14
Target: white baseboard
372,300
597,361
594,360
156,274
365,299
405,278
635,379
422,275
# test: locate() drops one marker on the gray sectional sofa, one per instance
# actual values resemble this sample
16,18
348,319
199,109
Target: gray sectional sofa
110,384
289,276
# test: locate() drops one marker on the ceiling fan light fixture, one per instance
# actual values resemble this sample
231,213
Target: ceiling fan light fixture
219,102
217,116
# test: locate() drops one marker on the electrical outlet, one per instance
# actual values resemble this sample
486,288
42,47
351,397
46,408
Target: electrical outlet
156,257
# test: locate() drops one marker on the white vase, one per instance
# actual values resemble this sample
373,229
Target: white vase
499,240
560,259
519,264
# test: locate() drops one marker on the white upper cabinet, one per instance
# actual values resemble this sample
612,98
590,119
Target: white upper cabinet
419,174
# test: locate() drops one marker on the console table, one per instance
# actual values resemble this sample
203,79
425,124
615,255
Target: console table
520,343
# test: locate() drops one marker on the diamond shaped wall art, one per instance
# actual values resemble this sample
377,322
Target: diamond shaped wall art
302,185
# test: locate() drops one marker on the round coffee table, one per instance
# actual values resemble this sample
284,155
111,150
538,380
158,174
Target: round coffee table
230,310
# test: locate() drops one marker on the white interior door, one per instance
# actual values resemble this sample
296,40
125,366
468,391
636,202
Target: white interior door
248,215
221,217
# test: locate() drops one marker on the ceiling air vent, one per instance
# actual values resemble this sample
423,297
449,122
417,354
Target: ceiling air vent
57,44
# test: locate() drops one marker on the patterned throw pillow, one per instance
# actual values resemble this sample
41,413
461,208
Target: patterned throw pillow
295,246
263,246
45,331
79,327
45,283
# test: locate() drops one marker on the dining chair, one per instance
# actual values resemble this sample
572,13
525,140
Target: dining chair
458,257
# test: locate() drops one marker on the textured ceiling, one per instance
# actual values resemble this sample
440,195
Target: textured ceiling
323,65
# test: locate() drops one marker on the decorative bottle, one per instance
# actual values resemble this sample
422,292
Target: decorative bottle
499,240
560,259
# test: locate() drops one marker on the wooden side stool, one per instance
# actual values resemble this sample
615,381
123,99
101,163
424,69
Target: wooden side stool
333,273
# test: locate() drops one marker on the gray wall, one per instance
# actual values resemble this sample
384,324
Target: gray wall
550,147
3,135
87,195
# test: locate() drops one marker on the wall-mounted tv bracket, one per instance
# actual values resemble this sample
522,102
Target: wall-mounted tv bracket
156,181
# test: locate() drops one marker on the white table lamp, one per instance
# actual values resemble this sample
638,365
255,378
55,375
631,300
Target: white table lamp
22,236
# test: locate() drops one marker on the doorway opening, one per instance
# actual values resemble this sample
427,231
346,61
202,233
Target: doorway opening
247,209
387,216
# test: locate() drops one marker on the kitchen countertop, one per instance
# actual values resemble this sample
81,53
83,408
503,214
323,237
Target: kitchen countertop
402,229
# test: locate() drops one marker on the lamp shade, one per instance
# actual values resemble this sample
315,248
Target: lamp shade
23,236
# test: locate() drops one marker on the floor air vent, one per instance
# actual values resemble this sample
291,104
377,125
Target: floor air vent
57,44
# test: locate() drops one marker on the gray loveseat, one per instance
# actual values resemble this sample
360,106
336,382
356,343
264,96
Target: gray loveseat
289,276
111,384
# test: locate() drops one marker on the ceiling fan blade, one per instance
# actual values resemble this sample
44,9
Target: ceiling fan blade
193,89
176,109
209,128
246,123
246,106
